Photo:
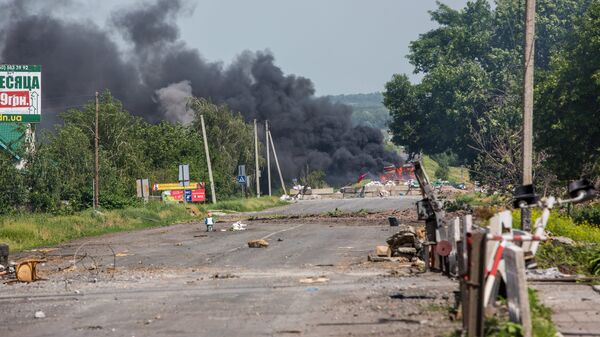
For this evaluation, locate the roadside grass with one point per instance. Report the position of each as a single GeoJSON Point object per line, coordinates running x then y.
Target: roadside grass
{"type": "Point", "coordinates": [541, 321]}
{"type": "Point", "coordinates": [27, 231]}
{"type": "Point", "coordinates": [560, 224]}
{"type": "Point", "coordinates": [456, 174]}
{"type": "Point", "coordinates": [244, 205]}
{"type": "Point", "coordinates": [31, 230]}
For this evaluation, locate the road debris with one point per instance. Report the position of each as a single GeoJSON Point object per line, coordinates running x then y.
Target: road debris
{"type": "Point", "coordinates": [258, 243]}
{"type": "Point", "coordinates": [405, 243]}
{"type": "Point", "coordinates": [39, 314]}
{"type": "Point", "coordinates": [383, 251]}
{"type": "Point", "coordinates": [553, 273]}
{"type": "Point", "coordinates": [44, 250]}
{"type": "Point", "coordinates": [314, 279]}
{"type": "Point", "coordinates": [238, 226]}
{"type": "Point", "coordinates": [223, 276]}
{"type": "Point", "coordinates": [26, 269]}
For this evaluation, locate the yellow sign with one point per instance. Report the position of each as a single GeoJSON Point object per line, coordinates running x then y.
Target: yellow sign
{"type": "Point", "coordinates": [175, 186]}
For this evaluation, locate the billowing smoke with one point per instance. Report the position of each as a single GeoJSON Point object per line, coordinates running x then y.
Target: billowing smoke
{"type": "Point", "coordinates": [173, 102]}
{"type": "Point", "coordinates": [156, 71]}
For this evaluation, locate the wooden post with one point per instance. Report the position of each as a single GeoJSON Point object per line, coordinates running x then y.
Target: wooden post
{"type": "Point", "coordinates": [460, 249]}
{"type": "Point", "coordinates": [256, 167]}
{"type": "Point", "coordinates": [442, 235]}
{"type": "Point", "coordinates": [268, 156]}
{"type": "Point", "coordinates": [474, 307]}
{"type": "Point", "coordinates": [97, 159]}
{"type": "Point", "coordinates": [516, 288]}
{"type": "Point", "coordinates": [454, 237]}
{"type": "Point", "coordinates": [277, 163]}
{"type": "Point", "coordinates": [528, 65]}
{"type": "Point", "coordinates": [466, 228]}
{"type": "Point", "coordinates": [210, 175]}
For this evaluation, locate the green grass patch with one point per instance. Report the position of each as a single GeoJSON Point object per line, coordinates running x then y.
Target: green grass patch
{"type": "Point", "coordinates": [26, 231]}
{"type": "Point", "coordinates": [245, 205]}
{"type": "Point", "coordinates": [560, 224]}
{"type": "Point", "coordinates": [581, 258]}
{"type": "Point", "coordinates": [541, 321]}
{"type": "Point", "coordinates": [578, 259]}
{"type": "Point", "coordinates": [455, 174]}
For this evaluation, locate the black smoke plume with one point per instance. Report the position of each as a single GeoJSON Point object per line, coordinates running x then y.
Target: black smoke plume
{"type": "Point", "coordinates": [156, 68]}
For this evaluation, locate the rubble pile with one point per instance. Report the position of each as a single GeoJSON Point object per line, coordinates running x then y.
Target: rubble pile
{"type": "Point", "coordinates": [405, 243]}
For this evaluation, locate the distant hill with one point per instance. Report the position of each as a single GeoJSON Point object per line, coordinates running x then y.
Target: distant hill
{"type": "Point", "coordinates": [367, 109]}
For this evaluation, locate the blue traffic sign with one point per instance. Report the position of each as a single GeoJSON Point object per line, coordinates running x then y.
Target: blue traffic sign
{"type": "Point", "coordinates": [241, 180]}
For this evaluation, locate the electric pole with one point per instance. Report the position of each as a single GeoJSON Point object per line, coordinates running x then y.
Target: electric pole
{"type": "Point", "coordinates": [277, 163]}
{"type": "Point", "coordinates": [210, 176]}
{"type": "Point", "coordinates": [256, 168]}
{"type": "Point", "coordinates": [97, 161]}
{"type": "Point", "coordinates": [268, 156]}
{"type": "Point", "coordinates": [528, 67]}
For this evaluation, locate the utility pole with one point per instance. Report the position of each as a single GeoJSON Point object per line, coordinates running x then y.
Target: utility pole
{"type": "Point", "coordinates": [97, 161]}
{"type": "Point", "coordinates": [277, 163]}
{"type": "Point", "coordinates": [256, 168]}
{"type": "Point", "coordinates": [528, 65]}
{"type": "Point", "coordinates": [268, 156]}
{"type": "Point", "coordinates": [210, 176]}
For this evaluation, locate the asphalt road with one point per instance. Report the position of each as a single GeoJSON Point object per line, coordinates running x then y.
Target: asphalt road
{"type": "Point", "coordinates": [181, 281]}
{"type": "Point", "coordinates": [312, 207]}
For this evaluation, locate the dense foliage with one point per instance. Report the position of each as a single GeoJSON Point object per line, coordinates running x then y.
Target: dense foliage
{"type": "Point", "coordinates": [58, 174]}
{"type": "Point", "coordinates": [469, 99]}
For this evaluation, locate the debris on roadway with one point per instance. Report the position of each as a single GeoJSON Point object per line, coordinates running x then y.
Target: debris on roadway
{"type": "Point", "coordinates": [405, 246]}
{"type": "Point", "coordinates": [405, 243]}
{"type": "Point", "coordinates": [314, 279]}
{"type": "Point", "coordinates": [26, 270]}
{"type": "Point", "coordinates": [238, 226]}
{"type": "Point", "coordinates": [258, 243]}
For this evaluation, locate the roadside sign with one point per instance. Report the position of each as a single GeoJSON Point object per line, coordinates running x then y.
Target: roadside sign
{"type": "Point", "coordinates": [241, 170]}
{"type": "Point", "coordinates": [197, 195]}
{"type": "Point", "coordinates": [241, 180]}
{"type": "Point", "coordinates": [20, 93]}
{"type": "Point", "coordinates": [184, 174]}
{"type": "Point", "coordinates": [143, 188]}
{"type": "Point", "coordinates": [177, 186]}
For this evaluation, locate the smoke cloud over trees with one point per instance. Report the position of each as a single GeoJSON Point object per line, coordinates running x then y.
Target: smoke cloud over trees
{"type": "Point", "coordinates": [154, 72]}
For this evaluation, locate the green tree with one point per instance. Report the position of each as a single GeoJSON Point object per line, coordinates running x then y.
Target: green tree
{"type": "Point", "coordinates": [469, 99]}
{"type": "Point", "coordinates": [13, 192]}
{"type": "Point", "coordinates": [568, 102]}
{"type": "Point", "coordinates": [230, 141]}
